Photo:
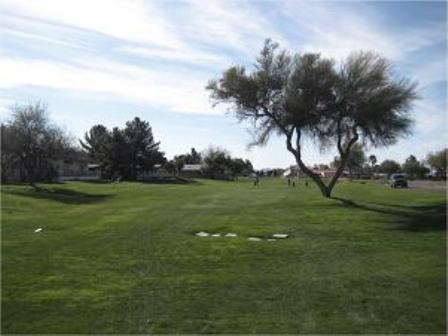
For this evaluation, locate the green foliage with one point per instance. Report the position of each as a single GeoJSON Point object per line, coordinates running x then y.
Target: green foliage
{"type": "Point", "coordinates": [438, 161]}
{"type": "Point", "coordinates": [306, 96]}
{"type": "Point", "coordinates": [389, 167]}
{"type": "Point", "coordinates": [371, 101]}
{"type": "Point", "coordinates": [356, 159]}
{"type": "Point", "coordinates": [31, 142]}
{"type": "Point", "coordinates": [143, 150]}
{"type": "Point", "coordinates": [96, 142]}
{"type": "Point", "coordinates": [218, 164]}
{"type": "Point", "coordinates": [125, 152]}
{"type": "Point", "coordinates": [189, 158]}
{"type": "Point", "coordinates": [414, 168]}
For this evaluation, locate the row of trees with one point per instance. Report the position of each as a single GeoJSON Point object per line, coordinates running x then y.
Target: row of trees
{"type": "Point", "coordinates": [31, 145]}
{"type": "Point", "coordinates": [175, 165]}
{"type": "Point", "coordinates": [359, 163]}
{"type": "Point", "coordinates": [294, 95]}
{"type": "Point", "coordinates": [215, 163]}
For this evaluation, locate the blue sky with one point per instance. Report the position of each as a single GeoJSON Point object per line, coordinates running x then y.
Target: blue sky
{"type": "Point", "coordinates": [107, 61]}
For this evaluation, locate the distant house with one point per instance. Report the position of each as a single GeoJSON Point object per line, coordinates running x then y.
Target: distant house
{"type": "Point", "coordinates": [292, 171]}
{"type": "Point", "coordinates": [77, 171]}
{"type": "Point", "coordinates": [191, 170]}
{"type": "Point", "coordinates": [328, 173]}
{"type": "Point", "coordinates": [157, 171]}
{"type": "Point", "coordinates": [325, 171]}
{"type": "Point", "coordinates": [295, 171]}
{"type": "Point", "coordinates": [319, 170]}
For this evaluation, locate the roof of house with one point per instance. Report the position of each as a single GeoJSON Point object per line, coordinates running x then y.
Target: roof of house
{"type": "Point", "coordinates": [191, 167]}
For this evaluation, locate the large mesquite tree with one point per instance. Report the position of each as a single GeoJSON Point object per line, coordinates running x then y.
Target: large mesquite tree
{"type": "Point", "coordinates": [307, 96]}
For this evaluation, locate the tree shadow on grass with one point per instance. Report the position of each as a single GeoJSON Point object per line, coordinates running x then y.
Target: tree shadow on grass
{"type": "Point", "coordinates": [410, 218]}
{"type": "Point", "coordinates": [170, 180]}
{"type": "Point", "coordinates": [62, 195]}
{"type": "Point", "coordinates": [96, 181]}
{"type": "Point", "coordinates": [155, 180]}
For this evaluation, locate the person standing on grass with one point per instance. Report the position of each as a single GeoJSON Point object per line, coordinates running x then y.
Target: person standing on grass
{"type": "Point", "coordinates": [289, 182]}
{"type": "Point", "coordinates": [256, 180]}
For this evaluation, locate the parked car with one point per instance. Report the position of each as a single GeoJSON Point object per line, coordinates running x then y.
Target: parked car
{"type": "Point", "coordinates": [398, 181]}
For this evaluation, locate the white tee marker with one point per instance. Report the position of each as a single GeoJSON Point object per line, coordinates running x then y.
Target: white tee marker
{"type": "Point", "coordinates": [280, 235]}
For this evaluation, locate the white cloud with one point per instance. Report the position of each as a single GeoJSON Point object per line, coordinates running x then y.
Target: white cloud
{"type": "Point", "coordinates": [133, 20]}
{"type": "Point", "coordinates": [33, 32]}
{"type": "Point", "coordinates": [5, 107]}
{"type": "Point", "coordinates": [429, 118]}
{"type": "Point", "coordinates": [336, 31]}
{"type": "Point", "coordinates": [40, 38]}
{"type": "Point", "coordinates": [188, 32]}
{"type": "Point", "coordinates": [430, 72]}
{"type": "Point", "coordinates": [233, 24]}
{"type": "Point", "coordinates": [177, 91]}
{"type": "Point", "coordinates": [187, 56]}
{"type": "Point", "coordinates": [143, 30]}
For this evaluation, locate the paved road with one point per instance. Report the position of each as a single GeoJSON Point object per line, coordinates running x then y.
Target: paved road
{"type": "Point", "coordinates": [435, 186]}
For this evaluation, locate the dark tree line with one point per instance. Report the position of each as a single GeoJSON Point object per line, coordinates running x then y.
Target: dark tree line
{"type": "Point", "coordinates": [218, 163]}
{"type": "Point", "coordinates": [175, 165]}
{"type": "Point", "coordinates": [438, 161]}
{"type": "Point", "coordinates": [123, 152]}
{"type": "Point", "coordinates": [32, 149]}
{"type": "Point", "coordinates": [215, 163]}
{"type": "Point", "coordinates": [359, 163]}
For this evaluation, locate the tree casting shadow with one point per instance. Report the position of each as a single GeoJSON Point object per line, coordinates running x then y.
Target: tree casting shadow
{"type": "Point", "coordinates": [62, 195]}
{"type": "Point", "coordinates": [155, 180]}
{"type": "Point", "coordinates": [410, 218]}
{"type": "Point", "coordinates": [170, 180]}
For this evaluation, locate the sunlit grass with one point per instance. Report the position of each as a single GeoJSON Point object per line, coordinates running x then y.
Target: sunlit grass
{"type": "Point", "coordinates": [123, 258]}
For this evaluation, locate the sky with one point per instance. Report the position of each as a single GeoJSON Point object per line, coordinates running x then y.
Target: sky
{"type": "Point", "coordinates": [107, 61]}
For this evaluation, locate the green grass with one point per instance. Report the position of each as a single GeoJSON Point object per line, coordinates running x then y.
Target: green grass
{"type": "Point", "coordinates": [122, 258]}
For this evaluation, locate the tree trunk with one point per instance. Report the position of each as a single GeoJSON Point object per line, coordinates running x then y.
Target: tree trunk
{"type": "Point", "coordinates": [29, 168]}
{"type": "Point", "coordinates": [31, 177]}
{"type": "Point", "coordinates": [324, 189]}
